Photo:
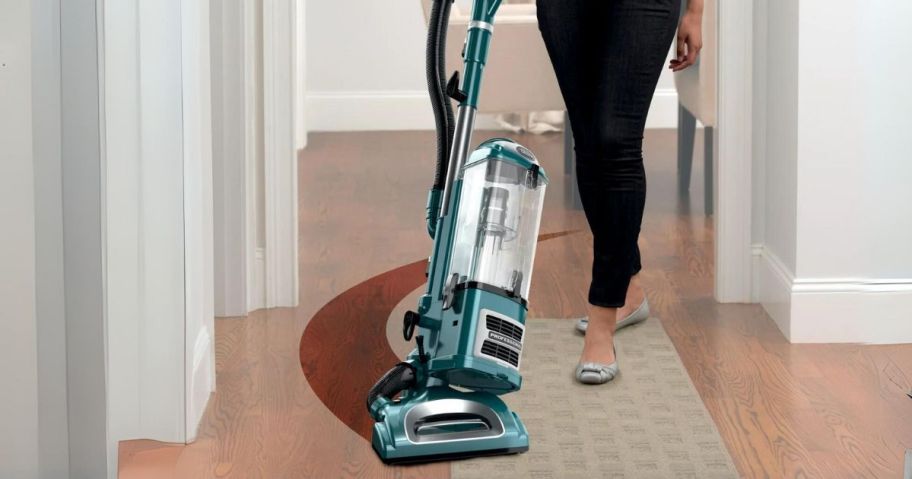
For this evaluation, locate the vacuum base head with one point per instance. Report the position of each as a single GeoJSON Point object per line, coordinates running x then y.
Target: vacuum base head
{"type": "Point", "coordinates": [454, 456]}
{"type": "Point", "coordinates": [441, 423]}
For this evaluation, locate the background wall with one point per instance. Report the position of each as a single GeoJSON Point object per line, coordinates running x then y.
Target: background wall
{"type": "Point", "coordinates": [758, 145]}
{"type": "Point", "coordinates": [254, 61]}
{"type": "Point", "coordinates": [82, 160]}
{"type": "Point", "coordinates": [145, 219]}
{"type": "Point", "coordinates": [53, 441]}
{"type": "Point", "coordinates": [53, 403]}
{"type": "Point", "coordinates": [776, 152]}
{"type": "Point", "coordinates": [106, 186]}
{"type": "Point", "coordinates": [196, 100]}
{"type": "Point", "coordinates": [300, 76]}
{"type": "Point", "coordinates": [238, 155]}
{"type": "Point", "coordinates": [366, 59]}
{"type": "Point", "coordinates": [855, 163]}
{"type": "Point", "coordinates": [836, 262]}
{"type": "Point", "coordinates": [18, 328]}
{"type": "Point", "coordinates": [159, 225]}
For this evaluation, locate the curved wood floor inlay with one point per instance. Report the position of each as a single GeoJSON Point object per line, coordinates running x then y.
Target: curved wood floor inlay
{"type": "Point", "coordinates": [354, 322]}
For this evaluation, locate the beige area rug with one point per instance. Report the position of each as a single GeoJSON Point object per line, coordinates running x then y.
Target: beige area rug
{"type": "Point", "coordinates": [647, 423]}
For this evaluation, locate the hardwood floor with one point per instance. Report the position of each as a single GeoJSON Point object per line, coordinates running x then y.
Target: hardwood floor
{"type": "Point", "coordinates": [783, 410]}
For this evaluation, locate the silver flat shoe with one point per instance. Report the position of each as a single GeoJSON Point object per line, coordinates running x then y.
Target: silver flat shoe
{"type": "Point", "coordinates": [597, 373]}
{"type": "Point", "coordinates": [637, 316]}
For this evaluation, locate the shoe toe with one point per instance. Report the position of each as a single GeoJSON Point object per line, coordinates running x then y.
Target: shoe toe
{"type": "Point", "coordinates": [594, 373]}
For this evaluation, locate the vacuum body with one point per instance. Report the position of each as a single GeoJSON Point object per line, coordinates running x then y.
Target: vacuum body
{"type": "Point", "coordinates": [484, 212]}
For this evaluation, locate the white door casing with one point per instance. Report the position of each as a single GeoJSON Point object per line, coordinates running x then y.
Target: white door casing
{"type": "Point", "coordinates": [734, 153]}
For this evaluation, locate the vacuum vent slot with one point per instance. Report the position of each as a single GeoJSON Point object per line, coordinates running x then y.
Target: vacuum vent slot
{"type": "Point", "coordinates": [451, 423]}
{"type": "Point", "coordinates": [503, 327]}
{"type": "Point", "coordinates": [498, 351]}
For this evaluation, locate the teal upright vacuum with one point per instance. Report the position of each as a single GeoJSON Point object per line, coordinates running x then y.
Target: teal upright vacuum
{"type": "Point", "coordinates": [483, 213]}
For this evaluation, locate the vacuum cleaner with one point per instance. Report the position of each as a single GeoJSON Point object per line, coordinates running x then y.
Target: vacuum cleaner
{"type": "Point", "coordinates": [483, 214]}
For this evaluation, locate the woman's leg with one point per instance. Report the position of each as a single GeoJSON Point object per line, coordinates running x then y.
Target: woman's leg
{"type": "Point", "coordinates": [608, 56]}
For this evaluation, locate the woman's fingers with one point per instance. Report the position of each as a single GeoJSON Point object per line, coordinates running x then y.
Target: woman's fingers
{"type": "Point", "coordinates": [682, 41]}
{"type": "Point", "coordinates": [687, 55]}
{"type": "Point", "coordinates": [680, 52]}
{"type": "Point", "coordinates": [689, 38]}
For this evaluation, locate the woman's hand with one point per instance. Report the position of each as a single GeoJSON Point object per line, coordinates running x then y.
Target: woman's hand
{"type": "Point", "coordinates": [690, 37]}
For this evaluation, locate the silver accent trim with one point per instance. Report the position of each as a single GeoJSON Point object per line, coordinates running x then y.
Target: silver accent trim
{"type": "Point", "coordinates": [438, 407]}
{"type": "Point", "coordinates": [481, 25]}
{"type": "Point", "coordinates": [449, 291]}
{"type": "Point", "coordinates": [462, 138]}
{"type": "Point", "coordinates": [426, 428]}
{"type": "Point", "coordinates": [482, 333]}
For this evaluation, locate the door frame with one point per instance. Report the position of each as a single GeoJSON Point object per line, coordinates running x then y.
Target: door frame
{"type": "Point", "coordinates": [733, 161]}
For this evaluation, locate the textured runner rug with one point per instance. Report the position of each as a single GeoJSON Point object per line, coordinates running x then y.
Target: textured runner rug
{"type": "Point", "coordinates": [647, 423]}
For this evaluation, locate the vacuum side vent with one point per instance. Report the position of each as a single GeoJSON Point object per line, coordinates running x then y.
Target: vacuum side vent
{"type": "Point", "coordinates": [498, 351]}
{"type": "Point", "coordinates": [500, 326]}
{"type": "Point", "coordinates": [499, 338]}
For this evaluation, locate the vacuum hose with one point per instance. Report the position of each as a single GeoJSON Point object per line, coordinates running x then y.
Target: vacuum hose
{"type": "Point", "coordinates": [441, 55]}
{"type": "Point", "coordinates": [399, 378]}
{"type": "Point", "coordinates": [436, 83]}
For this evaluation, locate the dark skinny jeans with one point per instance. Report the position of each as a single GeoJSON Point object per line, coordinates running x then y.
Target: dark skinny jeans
{"type": "Point", "coordinates": [608, 55]}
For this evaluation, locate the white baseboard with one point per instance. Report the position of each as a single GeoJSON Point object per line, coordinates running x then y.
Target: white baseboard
{"type": "Point", "coordinates": [835, 310]}
{"type": "Point", "coordinates": [202, 382]}
{"type": "Point", "coordinates": [852, 311]}
{"type": "Point", "coordinates": [258, 293]}
{"type": "Point", "coordinates": [409, 110]}
{"type": "Point", "coordinates": [663, 113]}
{"type": "Point", "coordinates": [756, 264]}
{"type": "Point", "coordinates": [775, 289]}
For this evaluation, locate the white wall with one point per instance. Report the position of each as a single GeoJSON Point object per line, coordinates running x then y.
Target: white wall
{"type": "Point", "coordinates": [254, 64]}
{"type": "Point", "coordinates": [96, 210]}
{"type": "Point", "coordinates": [237, 156]}
{"type": "Point", "coordinates": [781, 130]}
{"type": "Point", "coordinates": [280, 159]}
{"type": "Point", "coordinates": [159, 218]}
{"type": "Point", "coordinates": [300, 76]}
{"type": "Point", "coordinates": [53, 432]}
{"type": "Point", "coordinates": [775, 155]}
{"type": "Point", "coordinates": [837, 226]}
{"type": "Point", "coordinates": [758, 145]}
{"type": "Point", "coordinates": [367, 58]}
{"type": "Point", "coordinates": [82, 171]}
{"type": "Point", "coordinates": [18, 327]}
{"type": "Point", "coordinates": [54, 422]}
{"type": "Point", "coordinates": [145, 210]}
{"type": "Point", "coordinates": [855, 172]}
{"type": "Point", "coordinates": [199, 355]}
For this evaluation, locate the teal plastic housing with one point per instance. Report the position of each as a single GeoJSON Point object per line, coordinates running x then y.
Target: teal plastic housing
{"type": "Point", "coordinates": [478, 43]}
{"type": "Point", "coordinates": [451, 359]}
{"type": "Point", "coordinates": [450, 331]}
{"type": "Point", "coordinates": [454, 360]}
{"type": "Point", "coordinates": [505, 149]}
{"type": "Point", "coordinates": [393, 443]}
{"type": "Point", "coordinates": [450, 317]}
